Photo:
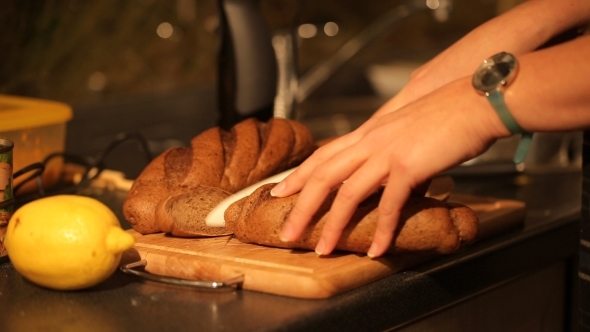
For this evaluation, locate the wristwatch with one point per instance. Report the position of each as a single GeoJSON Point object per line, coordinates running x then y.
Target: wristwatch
{"type": "Point", "coordinates": [490, 79]}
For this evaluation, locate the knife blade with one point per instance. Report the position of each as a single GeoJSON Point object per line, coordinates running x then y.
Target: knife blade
{"type": "Point", "coordinates": [215, 216]}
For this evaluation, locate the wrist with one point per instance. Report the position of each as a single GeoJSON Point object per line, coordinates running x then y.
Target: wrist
{"type": "Point", "coordinates": [484, 117]}
{"type": "Point", "coordinates": [490, 80]}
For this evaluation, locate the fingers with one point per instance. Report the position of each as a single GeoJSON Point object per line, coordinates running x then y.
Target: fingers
{"type": "Point", "coordinates": [363, 168]}
{"type": "Point", "coordinates": [388, 147]}
{"type": "Point", "coordinates": [296, 180]}
{"type": "Point", "coordinates": [357, 188]}
{"type": "Point", "coordinates": [308, 202]}
{"type": "Point", "coordinates": [322, 180]}
{"type": "Point", "coordinates": [392, 200]}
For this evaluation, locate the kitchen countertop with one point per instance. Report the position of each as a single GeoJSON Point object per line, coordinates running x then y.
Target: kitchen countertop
{"type": "Point", "coordinates": [124, 303]}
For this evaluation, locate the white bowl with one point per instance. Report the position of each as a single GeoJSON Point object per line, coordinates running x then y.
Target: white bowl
{"type": "Point", "coordinates": [388, 79]}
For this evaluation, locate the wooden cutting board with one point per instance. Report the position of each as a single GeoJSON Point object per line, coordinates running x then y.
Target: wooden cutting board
{"type": "Point", "coordinates": [296, 273]}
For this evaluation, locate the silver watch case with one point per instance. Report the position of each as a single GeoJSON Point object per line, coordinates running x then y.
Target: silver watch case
{"type": "Point", "coordinates": [495, 72]}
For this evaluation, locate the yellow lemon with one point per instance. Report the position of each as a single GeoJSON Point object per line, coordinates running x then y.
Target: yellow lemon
{"type": "Point", "coordinates": [66, 242]}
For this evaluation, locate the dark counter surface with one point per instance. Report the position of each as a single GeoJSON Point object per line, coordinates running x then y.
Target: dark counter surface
{"type": "Point", "coordinates": [124, 303]}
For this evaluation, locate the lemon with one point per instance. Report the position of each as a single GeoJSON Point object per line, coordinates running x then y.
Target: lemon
{"type": "Point", "coordinates": [66, 242]}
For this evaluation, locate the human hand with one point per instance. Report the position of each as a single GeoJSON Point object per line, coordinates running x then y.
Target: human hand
{"type": "Point", "coordinates": [400, 149]}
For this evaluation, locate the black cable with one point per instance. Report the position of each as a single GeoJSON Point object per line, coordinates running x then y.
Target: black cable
{"type": "Point", "coordinates": [37, 167]}
{"type": "Point", "coordinates": [97, 165]}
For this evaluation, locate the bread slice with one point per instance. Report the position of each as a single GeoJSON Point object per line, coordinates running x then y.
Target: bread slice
{"type": "Point", "coordinates": [184, 214]}
{"type": "Point", "coordinates": [145, 193]}
{"type": "Point", "coordinates": [177, 164]}
{"type": "Point", "coordinates": [277, 139]}
{"type": "Point", "coordinates": [208, 160]}
{"type": "Point", "coordinates": [242, 149]}
{"type": "Point", "coordinates": [303, 146]}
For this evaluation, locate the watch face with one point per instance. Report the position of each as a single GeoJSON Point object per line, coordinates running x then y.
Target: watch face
{"type": "Point", "coordinates": [495, 72]}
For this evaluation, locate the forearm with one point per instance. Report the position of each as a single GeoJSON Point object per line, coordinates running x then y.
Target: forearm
{"type": "Point", "coordinates": [551, 93]}
{"type": "Point", "coordinates": [519, 31]}
{"type": "Point", "coordinates": [552, 89]}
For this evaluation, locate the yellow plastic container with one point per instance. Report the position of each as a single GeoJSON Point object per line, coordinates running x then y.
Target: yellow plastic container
{"type": "Point", "coordinates": [38, 128]}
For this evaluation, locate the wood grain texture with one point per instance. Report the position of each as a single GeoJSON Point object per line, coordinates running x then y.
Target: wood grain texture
{"type": "Point", "coordinates": [297, 273]}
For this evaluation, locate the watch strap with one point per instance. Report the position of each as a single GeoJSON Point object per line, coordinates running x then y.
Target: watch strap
{"type": "Point", "coordinates": [523, 147]}
{"type": "Point", "coordinates": [496, 98]}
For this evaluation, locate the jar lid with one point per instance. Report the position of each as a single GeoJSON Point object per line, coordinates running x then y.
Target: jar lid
{"type": "Point", "coordinates": [5, 145]}
{"type": "Point", "coordinates": [21, 113]}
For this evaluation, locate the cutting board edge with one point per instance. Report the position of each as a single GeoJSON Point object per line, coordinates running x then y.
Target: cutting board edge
{"type": "Point", "coordinates": [315, 285]}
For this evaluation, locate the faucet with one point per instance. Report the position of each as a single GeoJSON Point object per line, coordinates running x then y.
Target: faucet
{"type": "Point", "coordinates": [293, 89]}
{"type": "Point", "coordinates": [257, 75]}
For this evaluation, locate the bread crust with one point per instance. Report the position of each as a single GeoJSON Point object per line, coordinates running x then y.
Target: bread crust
{"type": "Point", "coordinates": [145, 193]}
{"type": "Point", "coordinates": [277, 139]}
{"type": "Point", "coordinates": [218, 159]}
{"type": "Point", "coordinates": [303, 146]}
{"type": "Point", "coordinates": [426, 224]}
{"type": "Point", "coordinates": [208, 161]}
{"type": "Point", "coordinates": [242, 151]}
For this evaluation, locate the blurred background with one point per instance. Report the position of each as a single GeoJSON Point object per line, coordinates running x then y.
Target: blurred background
{"type": "Point", "coordinates": [150, 66]}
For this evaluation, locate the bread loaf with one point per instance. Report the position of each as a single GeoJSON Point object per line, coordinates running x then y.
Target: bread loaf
{"type": "Point", "coordinates": [426, 224]}
{"type": "Point", "coordinates": [178, 188]}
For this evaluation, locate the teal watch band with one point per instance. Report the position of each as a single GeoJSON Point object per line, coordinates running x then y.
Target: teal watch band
{"type": "Point", "coordinates": [496, 98]}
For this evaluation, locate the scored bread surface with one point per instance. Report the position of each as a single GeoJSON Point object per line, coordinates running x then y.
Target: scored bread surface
{"type": "Point", "coordinates": [226, 160]}
{"type": "Point", "coordinates": [426, 224]}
